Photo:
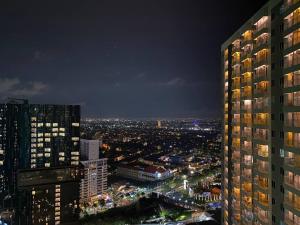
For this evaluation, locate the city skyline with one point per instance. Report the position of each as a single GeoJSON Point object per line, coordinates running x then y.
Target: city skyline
{"type": "Point", "coordinates": [138, 60]}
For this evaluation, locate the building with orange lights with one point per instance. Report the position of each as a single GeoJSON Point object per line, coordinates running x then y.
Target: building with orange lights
{"type": "Point", "coordinates": [261, 74]}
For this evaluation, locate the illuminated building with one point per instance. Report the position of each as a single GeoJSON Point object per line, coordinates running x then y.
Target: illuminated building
{"type": "Point", "coordinates": [40, 162]}
{"type": "Point", "coordinates": [94, 183]}
{"type": "Point", "coordinates": [261, 70]}
{"type": "Point", "coordinates": [158, 124]}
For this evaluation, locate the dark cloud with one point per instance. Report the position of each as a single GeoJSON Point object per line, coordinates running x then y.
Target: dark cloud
{"type": "Point", "coordinates": [130, 58]}
{"type": "Point", "coordinates": [14, 87]}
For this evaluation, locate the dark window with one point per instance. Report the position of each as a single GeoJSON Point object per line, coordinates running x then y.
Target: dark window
{"type": "Point", "coordinates": [281, 45]}
{"type": "Point", "coordinates": [281, 117]}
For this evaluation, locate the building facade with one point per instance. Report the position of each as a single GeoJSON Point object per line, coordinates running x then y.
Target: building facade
{"type": "Point", "coordinates": [261, 72]}
{"type": "Point", "coordinates": [94, 184]}
{"type": "Point", "coordinates": [39, 162]}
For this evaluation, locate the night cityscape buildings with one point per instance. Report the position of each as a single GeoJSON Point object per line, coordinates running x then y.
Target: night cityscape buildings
{"type": "Point", "coordinates": [260, 68]}
{"type": "Point", "coordinates": [94, 183]}
{"type": "Point", "coordinates": [40, 175]}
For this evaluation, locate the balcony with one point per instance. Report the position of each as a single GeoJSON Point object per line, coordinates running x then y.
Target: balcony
{"type": "Point", "coordinates": [246, 80]}
{"type": "Point", "coordinates": [261, 43]}
{"type": "Point", "coordinates": [246, 55]}
{"type": "Point", "coordinates": [263, 216]}
{"type": "Point", "coordinates": [247, 162]}
{"type": "Point", "coordinates": [292, 120]}
{"type": "Point", "coordinates": [263, 199]}
{"type": "Point", "coordinates": [261, 91]}
{"type": "Point", "coordinates": [292, 59]}
{"type": "Point", "coordinates": [262, 166]}
{"type": "Point", "coordinates": [236, 71]}
{"type": "Point", "coordinates": [292, 139]}
{"type": "Point", "coordinates": [292, 79]}
{"type": "Point", "coordinates": [247, 107]}
{"type": "Point", "coordinates": [246, 93]}
{"type": "Point", "coordinates": [292, 180]}
{"type": "Point", "coordinates": [247, 133]}
{"type": "Point", "coordinates": [262, 150]}
{"type": "Point", "coordinates": [236, 85]}
{"type": "Point", "coordinates": [236, 49]}
{"type": "Point", "coordinates": [247, 122]}
{"type": "Point", "coordinates": [292, 20]}
{"type": "Point", "coordinates": [236, 181]}
{"type": "Point", "coordinates": [261, 74]}
{"type": "Point", "coordinates": [236, 94]}
{"type": "Point", "coordinates": [246, 69]}
{"type": "Point", "coordinates": [236, 121]}
{"type": "Point", "coordinates": [292, 200]}
{"type": "Point", "coordinates": [292, 161]}
{"type": "Point", "coordinates": [261, 134]}
{"type": "Point", "coordinates": [247, 174]}
{"type": "Point", "coordinates": [247, 201]}
{"type": "Point", "coordinates": [236, 155]}
{"type": "Point", "coordinates": [262, 183]}
{"type": "Point", "coordinates": [261, 27]}
{"type": "Point", "coordinates": [247, 187]}
{"type": "Point", "coordinates": [236, 109]}
{"type": "Point", "coordinates": [261, 62]}
{"type": "Point", "coordinates": [261, 121]}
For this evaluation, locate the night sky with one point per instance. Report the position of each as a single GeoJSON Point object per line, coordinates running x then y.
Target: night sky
{"type": "Point", "coordinates": [125, 58]}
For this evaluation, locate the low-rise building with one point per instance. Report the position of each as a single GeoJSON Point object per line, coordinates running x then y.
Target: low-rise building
{"type": "Point", "coordinates": [143, 172]}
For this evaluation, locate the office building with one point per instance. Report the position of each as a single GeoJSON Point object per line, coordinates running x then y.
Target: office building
{"type": "Point", "coordinates": [94, 183]}
{"type": "Point", "coordinates": [39, 162]}
{"type": "Point", "coordinates": [261, 71]}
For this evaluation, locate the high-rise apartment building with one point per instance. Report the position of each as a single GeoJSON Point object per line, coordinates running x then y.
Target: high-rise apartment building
{"type": "Point", "coordinates": [39, 162]}
{"type": "Point", "coordinates": [94, 183]}
{"type": "Point", "coordinates": [261, 70]}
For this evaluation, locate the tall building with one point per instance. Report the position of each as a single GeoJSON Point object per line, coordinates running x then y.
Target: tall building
{"type": "Point", "coordinates": [94, 183]}
{"type": "Point", "coordinates": [158, 124]}
{"type": "Point", "coordinates": [39, 162]}
{"type": "Point", "coordinates": [261, 70]}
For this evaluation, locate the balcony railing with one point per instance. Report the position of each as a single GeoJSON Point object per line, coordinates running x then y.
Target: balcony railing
{"type": "Point", "coordinates": [261, 27]}
{"type": "Point", "coordinates": [260, 121]}
{"type": "Point", "coordinates": [291, 182]}
{"type": "Point", "coordinates": [292, 122]}
{"type": "Point", "coordinates": [261, 42]}
{"type": "Point", "coordinates": [291, 80]}
{"type": "Point", "coordinates": [295, 203]}
{"type": "Point", "coordinates": [261, 62]}
{"type": "Point", "coordinates": [263, 136]}
{"type": "Point", "coordinates": [295, 19]}
{"type": "Point", "coordinates": [292, 60]}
